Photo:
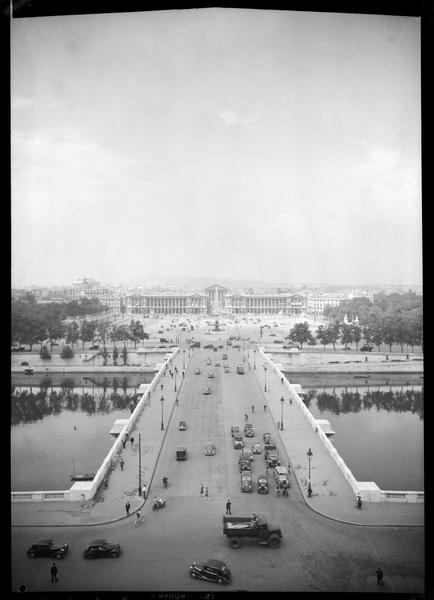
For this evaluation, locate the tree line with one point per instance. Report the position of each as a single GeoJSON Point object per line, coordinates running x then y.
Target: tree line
{"type": "Point", "coordinates": [33, 323]}
{"type": "Point", "coordinates": [389, 319]}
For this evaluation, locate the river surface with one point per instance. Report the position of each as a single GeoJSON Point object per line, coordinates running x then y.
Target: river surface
{"type": "Point", "coordinates": [378, 420]}
{"type": "Point", "coordinates": [66, 428]}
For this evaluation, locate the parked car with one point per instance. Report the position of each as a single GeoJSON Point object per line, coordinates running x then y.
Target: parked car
{"type": "Point", "coordinates": [206, 390]}
{"type": "Point", "coordinates": [24, 363]}
{"type": "Point", "coordinates": [102, 549]}
{"type": "Point", "coordinates": [218, 364]}
{"type": "Point", "coordinates": [225, 357]}
{"type": "Point", "coordinates": [209, 449]}
{"type": "Point", "coordinates": [366, 348]}
{"type": "Point", "coordinates": [209, 346]}
{"type": "Point", "coordinates": [197, 371]}
{"type": "Point", "coordinates": [208, 362]}
{"type": "Point", "coordinates": [45, 547]}
{"type": "Point", "coordinates": [263, 485]}
{"type": "Point", "coordinates": [211, 570]}
{"type": "Point", "coordinates": [256, 448]}
{"type": "Point", "coordinates": [227, 370]}
{"type": "Point", "coordinates": [96, 347]}
{"type": "Point", "coordinates": [182, 426]}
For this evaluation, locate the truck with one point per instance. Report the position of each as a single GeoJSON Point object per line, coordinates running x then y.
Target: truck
{"type": "Point", "coordinates": [181, 453]}
{"type": "Point", "coordinates": [238, 529]}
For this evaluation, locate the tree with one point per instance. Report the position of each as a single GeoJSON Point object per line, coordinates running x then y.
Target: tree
{"type": "Point", "coordinates": [346, 334]}
{"type": "Point", "coordinates": [323, 335]}
{"type": "Point", "coordinates": [377, 335]}
{"type": "Point", "coordinates": [333, 333]}
{"type": "Point", "coordinates": [300, 333]}
{"type": "Point", "coordinates": [136, 332]}
{"type": "Point", "coordinates": [357, 335]}
{"type": "Point", "coordinates": [55, 329]}
{"type": "Point", "coordinates": [87, 331]}
{"type": "Point", "coordinates": [44, 353]}
{"type": "Point", "coordinates": [72, 333]}
{"type": "Point", "coordinates": [67, 352]}
{"type": "Point", "coordinates": [103, 329]}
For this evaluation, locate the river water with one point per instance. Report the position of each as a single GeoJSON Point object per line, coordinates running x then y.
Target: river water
{"type": "Point", "coordinates": [378, 420]}
{"type": "Point", "coordinates": [65, 429]}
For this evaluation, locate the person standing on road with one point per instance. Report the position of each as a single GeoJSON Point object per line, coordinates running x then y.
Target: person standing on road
{"type": "Point", "coordinates": [53, 572]}
{"type": "Point", "coordinates": [379, 573]}
{"type": "Point", "coordinates": [265, 408]}
{"type": "Point", "coordinates": [132, 441]}
{"type": "Point", "coordinates": [127, 508]}
{"type": "Point", "coordinates": [201, 490]}
{"type": "Point", "coordinates": [144, 491]}
{"type": "Point", "coordinates": [359, 502]}
{"type": "Point", "coordinates": [206, 494]}
{"type": "Point", "coordinates": [228, 507]}
{"type": "Point", "coordinates": [122, 462]}
{"type": "Point", "coordinates": [253, 409]}
{"type": "Point", "coordinates": [281, 380]}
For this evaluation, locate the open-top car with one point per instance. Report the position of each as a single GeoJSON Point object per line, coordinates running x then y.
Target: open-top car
{"type": "Point", "coordinates": [211, 570]}
{"type": "Point", "coordinates": [102, 549]}
{"type": "Point", "coordinates": [45, 547]}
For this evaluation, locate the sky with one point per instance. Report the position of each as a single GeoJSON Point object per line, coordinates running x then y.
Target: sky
{"type": "Point", "coordinates": [236, 143]}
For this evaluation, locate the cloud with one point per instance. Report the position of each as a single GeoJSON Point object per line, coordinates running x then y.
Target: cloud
{"type": "Point", "coordinates": [231, 118]}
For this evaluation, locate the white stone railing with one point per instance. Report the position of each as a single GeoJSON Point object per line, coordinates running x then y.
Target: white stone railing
{"type": "Point", "coordinates": [89, 488]}
{"type": "Point", "coordinates": [368, 490]}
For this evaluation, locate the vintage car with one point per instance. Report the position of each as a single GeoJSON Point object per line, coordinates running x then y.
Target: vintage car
{"type": "Point", "coordinates": [102, 549]}
{"type": "Point", "coordinates": [181, 453]}
{"type": "Point", "coordinates": [281, 476]}
{"type": "Point", "coordinates": [197, 371]}
{"type": "Point", "coordinates": [256, 448]}
{"type": "Point", "coordinates": [238, 441]}
{"type": "Point", "coordinates": [209, 449]}
{"type": "Point", "coordinates": [182, 426]}
{"type": "Point", "coordinates": [206, 390]}
{"type": "Point", "coordinates": [246, 481]}
{"type": "Point", "coordinates": [266, 437]}
{"type": "Point", "coordinates": [45, 547]}
{"type": "Point", "coordinates": [210, 374]}
{"type": "Point", "coordinates": [248, 430]}
{"type": "Point", "coordinates": [211, 570]}
{"type": "Point", "coordinates": [263, 485]}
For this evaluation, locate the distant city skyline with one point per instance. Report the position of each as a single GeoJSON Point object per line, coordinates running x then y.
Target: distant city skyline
{"type": "Point", "coordinates": [274, 146]}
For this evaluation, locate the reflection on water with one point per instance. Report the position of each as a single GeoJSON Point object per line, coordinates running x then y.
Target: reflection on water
{"type": "Point", "coordinates": [379, 432]}
{"type": "Point", "coordinates": [61, 424]}
{"type": "Point", "coordinates": [342, 400]}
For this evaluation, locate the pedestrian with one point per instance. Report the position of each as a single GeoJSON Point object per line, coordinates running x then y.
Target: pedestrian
{"type": "Point", "coordinates": [132, 441]}
{"type": "Point", "coordinates": [82, 499]}
{"type": "Point", "coordinates": [265, 407]}
{"type": "Point", "coordinates": [253, 409]}
{"type": "Point", "coordinates": [127, 508]}
{"type": "Point", "coordinates": [144, 491]}
{"type": "Point", "coordinates": [122, 462]}
{"type": "Point", "coordinates": [183, 373]}
{"type": "Point", "coordinates": [285, 491]}
{"type": "Point", "coordinates": [201, 490]}
{"type": "Point", "coordinates": [281, 380]}
{"type": "Point", "coordinates": [176, 401]}
{"type": "Point", "coordinates": [366, 359]}
{"type": "Point", "coordinates": [206, 494]}
{"type": "Point", "coordinates": [278, 424]}
{"type": "Point", "coordinates": [53, 572]}
{"type": "Point", "coordinates": [124, 441]}
{"type": "Point", "coordinates": [359, 502]}
{"type": "Point", "coordinates": [380, 574]}
{"type": "Point", "coordinates": [171, 374]}
{"type": "Point", "coordinates": [162, 386]}
{"type": "Point", "coordinates": [228, 507]}
{"type": "Point", "coordinates": [290, 401]}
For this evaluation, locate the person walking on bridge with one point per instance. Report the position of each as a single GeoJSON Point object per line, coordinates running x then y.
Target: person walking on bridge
{"type": "Point", "coordinates": [53, 572]}
{"type": "Point", "coordinates": [228, 507]}
{"type": "Point", "coordinates": [379, 573]}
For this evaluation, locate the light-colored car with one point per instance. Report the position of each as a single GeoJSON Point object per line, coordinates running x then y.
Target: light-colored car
{"type": "Point", "coordinates": [197, 371]}
{"type": "Point", "coordinates": [206, 390]}
{"type": "Point", "coordinates": [256, 448]}
{"type": "Point", "coordinates": [210, 374]}
{"type": "Point", "coordinates": [209, 449]}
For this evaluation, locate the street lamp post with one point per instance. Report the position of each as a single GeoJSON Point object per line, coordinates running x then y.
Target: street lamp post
{"type": "Point", "coordinates": [282, 400]}
{"type": "Point", "coordinates": [309, 458]}
{"type": "Point", "coordinates": [183, 360]}
{"type": "Point", "coordinates": [265, 378]}
{"type": "Point", "coordinates": [162, 402]}
{"type": "Point", "coordinates": [254, 359]}
{"type": "Point", "coordinates": [175, 382]}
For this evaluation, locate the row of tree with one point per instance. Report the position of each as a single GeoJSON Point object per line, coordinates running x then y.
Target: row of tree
{"type": "Point", "coordinates": [33, 323]}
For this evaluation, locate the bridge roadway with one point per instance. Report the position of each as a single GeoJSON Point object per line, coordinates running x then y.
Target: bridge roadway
{"type": "Point", "coordinates": [209, 418]}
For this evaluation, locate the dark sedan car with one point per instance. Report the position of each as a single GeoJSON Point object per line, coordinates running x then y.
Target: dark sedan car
{"type": "Point", "coordinates": [212, 570]}
{"type": "Point", "coordinates": [46, 547]}
{"type": "Point", "coordinates": [102, 549]}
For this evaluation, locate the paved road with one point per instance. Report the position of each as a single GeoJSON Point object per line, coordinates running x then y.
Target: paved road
{"type": "Point", "coordinates": [317, 554]}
